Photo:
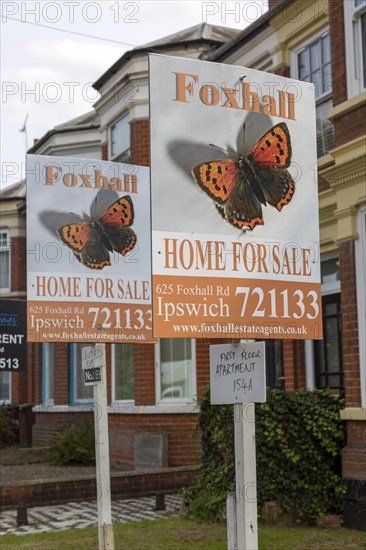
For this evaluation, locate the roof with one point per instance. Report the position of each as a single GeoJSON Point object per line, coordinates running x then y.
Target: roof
{"type": "Point", "coordinates": [14, 191]}
{"type": "Point", "coordinates": [258, 26]}
{"type": "Point", "coordinates": [87, 121]}
{"type": "Point", "coordinates": [212, 36]}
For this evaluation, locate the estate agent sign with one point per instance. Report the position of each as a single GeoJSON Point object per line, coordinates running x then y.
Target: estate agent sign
{"type": "Point", "coordinates": [88, 227]}
{"type": "Point", "coordinates": [235, 230]}
{"type": "Point", "coordinates": [13, 335]}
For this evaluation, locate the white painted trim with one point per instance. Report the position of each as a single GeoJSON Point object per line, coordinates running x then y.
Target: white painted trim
{"type": "Point", "coordinates": [331, 288]}
{"type": "Point", "coordinates": [174, 402]}
{"type": "Point", "coordinates": [125, 112]}
{"type": "Point", "coordinates": [294, 53]}
{"type": "Point", "coordinates": [117, 402]}
{"type": "Point", "coordinates": [309, 364]}
{"type": "Point", "coordinates": [360, 261]}
{"type": "Point", "coordinates": [353, 47]}
{"type": "Point", "coordinates": [5, 290]}
{"type": "Point", "coordinates": [6, 401]}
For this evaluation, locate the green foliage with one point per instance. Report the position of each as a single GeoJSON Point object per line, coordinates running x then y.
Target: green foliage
{"type": "Point", "coordinates": [299, 436]}
{"type": "Point", "coordinates": [8, 434]}
{"type": "Point", "coordinates": [76, 445]}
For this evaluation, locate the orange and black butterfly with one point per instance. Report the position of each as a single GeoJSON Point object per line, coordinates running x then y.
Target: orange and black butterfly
{"type": "Point", "coordinates": [240, 187]}
{"type": "Point", "coordinates": [91, 241]}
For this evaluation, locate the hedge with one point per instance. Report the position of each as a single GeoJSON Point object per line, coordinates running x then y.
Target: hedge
{"type": "Point", "coordinates": [299, 436]}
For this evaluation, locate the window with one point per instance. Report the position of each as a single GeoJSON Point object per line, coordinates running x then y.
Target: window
{"type": "Point", "coordinates": [329, 371]}
{"type": "Point", "coordinates": [122, 372]}
{"type": "Point", "coordinates": [274, 364]}
{"type": "Point", "coordinates": [4, 260]}
{"type": "Point", "coordinates": [120, 140]}
{"type": "Point", "coordinates": [313, 63]}
{"type": "Point", "coordinates": [47, 373]}
{"type": "Point", "coordinates": [328, 352]}
{"type": "Point", "coordinates": [5, 387]}
{"type": "Point", "coordinates": [79, 392]}
{"type": "Point", "coordinates": [355, 37]}
{"type": "Point", "coordinates": [176, 368]}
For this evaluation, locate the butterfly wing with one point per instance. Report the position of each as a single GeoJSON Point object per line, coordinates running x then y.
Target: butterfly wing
{"type": "Point", "coordinates": [277, 185]}
{"type": "Point", "coordinates": [243, 209]}
{"type": "Point", "coordinates": [217, 178]}
{"type": "Point", "coordinates": [273, 149]}
{"type": "Point", "coordinates": [115, 225]}
{"type": "Point", "coordinates": [85, 243]}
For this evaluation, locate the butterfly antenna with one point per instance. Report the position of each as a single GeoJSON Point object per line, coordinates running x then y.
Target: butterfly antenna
{"type": "Point", "coordinates": [223, 149]}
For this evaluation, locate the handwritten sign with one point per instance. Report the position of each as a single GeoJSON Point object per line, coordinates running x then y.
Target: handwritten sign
{"type": "Point", "coordinates": [92, 361]}
{"type": "Point", "coordinates": [238, 373]}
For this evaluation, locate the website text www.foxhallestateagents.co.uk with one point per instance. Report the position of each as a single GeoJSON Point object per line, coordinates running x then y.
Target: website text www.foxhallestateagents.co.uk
{"type": "Point", "coordinates": [234, 328]}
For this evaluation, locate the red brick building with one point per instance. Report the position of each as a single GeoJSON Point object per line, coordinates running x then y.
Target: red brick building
{"type": "Point", "coordinates": [154, 389]}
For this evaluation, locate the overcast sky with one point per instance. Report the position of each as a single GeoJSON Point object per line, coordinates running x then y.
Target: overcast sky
{"type": "Point", "coordinates": [51, 53]}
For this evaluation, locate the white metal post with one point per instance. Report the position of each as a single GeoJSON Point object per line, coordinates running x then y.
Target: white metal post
{"type": "Point", "coordinates": [246, 478]}
{"type": "Point", "coordinates": [105, 527]}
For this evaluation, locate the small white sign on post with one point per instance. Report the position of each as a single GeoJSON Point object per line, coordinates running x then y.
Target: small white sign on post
{"type": "Point", "coordinates": [92, 361]}
{"type": "Point", "coordinates": [238, 373]}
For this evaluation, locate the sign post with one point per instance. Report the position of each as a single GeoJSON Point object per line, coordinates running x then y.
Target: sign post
{"type": "Point", "coordinates": [237, 375]}
{"type": "Point", "coordinates": [246, 477]}
{"type": "Point", "coordinates": [93, 359]}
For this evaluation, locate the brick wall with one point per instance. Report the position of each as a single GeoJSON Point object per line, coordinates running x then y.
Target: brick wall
{"type": "Point", "coordinates": [183, 438]}
{"type": "Point", "coordinates": [294, 365]}
{"type": "Point", "coordinates": [144, 367]}
{"type": "Point", "coordinates": [338, 51]}
{"type": "Point", "coordinates": [351, 364]}
{"type": "Point", "coordinates": [61, 373]}
{"type": "Point", "coordinates": [104, 151]}
{"type": "Point", "coordinates": [123, 485]}
{"type": "Point", "coordinates": [18, 264]}
{"type": "Point", "coordinates": [350, 126]}
{"type": "Point", "coordinates": [140, 144]}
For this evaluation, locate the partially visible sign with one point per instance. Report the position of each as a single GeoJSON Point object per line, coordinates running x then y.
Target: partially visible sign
{"type": "Point", "coordinates": [238, 373]}
{"type": "Point", "coordinates": [92, 362]}
{"type": "Point", "coordinates": [13, 341]}
{"type": "Point", "coordinates": [88, 243]}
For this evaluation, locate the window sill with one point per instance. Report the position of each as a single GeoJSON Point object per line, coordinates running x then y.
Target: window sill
{"type": "Point", "coordinates": [122, 408]}
{"type": "Point", "coordinates": [347, 106]}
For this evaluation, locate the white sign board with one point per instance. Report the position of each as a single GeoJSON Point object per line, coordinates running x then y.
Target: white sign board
{"type": "Point", "coordinates": [88, 244]}
{"type": "Point", "coordinates": [238, 373]}
{"type": "Point", "coordinates": [235, 240]}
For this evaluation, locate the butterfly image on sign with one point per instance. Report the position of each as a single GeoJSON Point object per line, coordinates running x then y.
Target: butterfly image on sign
{"type": "Point", "coordinates": [91, 241]}
{"type": "Point", "coordinates": [240, 187]}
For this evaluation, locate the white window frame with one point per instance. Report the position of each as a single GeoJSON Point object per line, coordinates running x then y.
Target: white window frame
{"type": "Point", "coordinates": [74, 399]}
{"type": "Point", "coordinates": [327, 289]}
{"type": "Point", "coordinates": [360, 260]}
{"type": "Point", "coordinates": [294, 64]}
{"type": "Point", "coordinates": [48, 363]}
{"type": "Point", "coordinates": [353, 46]}
{"type": "Point", "coordinates": [113, 395]}
{"type": "Point", "coordinates": [6, 249]}
{"type": "Point", "coordinates": [7, 400]}
{"type": "Point", "coordinates": [175, 400]}
{"type": "Point", "coordinates": [126, 114]}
